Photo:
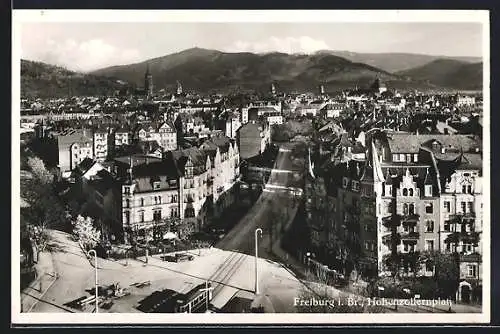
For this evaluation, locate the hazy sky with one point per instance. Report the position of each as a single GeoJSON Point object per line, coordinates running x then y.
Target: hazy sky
{"type": "Point", "coordinates": [88, 46]}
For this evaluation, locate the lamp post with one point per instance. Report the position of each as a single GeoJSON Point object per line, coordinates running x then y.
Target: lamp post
{"type": "Point", "coordinates": [257, 231]}
{"type": "Point", "coordinates": [308, 257]}
{"type": "Point", "coordinates": [93, 253]}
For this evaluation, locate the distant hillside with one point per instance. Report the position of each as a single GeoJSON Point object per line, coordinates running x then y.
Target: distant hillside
{"type": "Point", "coordinates": [205, 70]}
{"type": "Point", "coordinates": [448, 73]}
{"type": "Point", "coordinates": [394, 62]}
{"type": "Point", "coordinates": [43, 80]}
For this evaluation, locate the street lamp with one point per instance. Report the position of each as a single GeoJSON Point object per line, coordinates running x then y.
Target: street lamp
{"type": "Point", "coordinates": [257, 231]}
{"type": "Point", "coordinates": [93, 253]}
{"type": "Point", "coordinates": [308, 256]}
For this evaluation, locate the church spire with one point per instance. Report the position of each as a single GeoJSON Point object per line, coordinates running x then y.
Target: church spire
{"type": "Point", "coordinates": [148, 81]}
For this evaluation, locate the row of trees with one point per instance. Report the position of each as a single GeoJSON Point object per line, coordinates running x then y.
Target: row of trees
{"type": "Point", "coordinates": [43, 209]}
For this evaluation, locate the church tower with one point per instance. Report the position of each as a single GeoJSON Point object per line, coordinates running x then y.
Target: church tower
{"type": "Point", "coordinates": [148, 82]}
{"type": "Point", "coordinates": [179, 88]}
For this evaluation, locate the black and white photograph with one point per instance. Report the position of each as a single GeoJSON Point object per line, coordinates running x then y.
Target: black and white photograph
{"type": "Point", "coordinates": [212, 166]}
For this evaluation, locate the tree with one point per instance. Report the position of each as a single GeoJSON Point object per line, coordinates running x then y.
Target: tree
{"type": "Point", "coordinates": [87, 234]}
{"type": "Point", "coordinates": [447, 274]}
{"type": "Point", "coordinates": [39, 171]}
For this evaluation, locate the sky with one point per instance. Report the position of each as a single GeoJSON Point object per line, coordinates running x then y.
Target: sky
{"type": "Point", "coordinates": [93, 45]}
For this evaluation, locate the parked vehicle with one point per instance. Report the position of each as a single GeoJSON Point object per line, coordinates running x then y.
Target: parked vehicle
{"type": "Point", "coordinates": [180, 257]}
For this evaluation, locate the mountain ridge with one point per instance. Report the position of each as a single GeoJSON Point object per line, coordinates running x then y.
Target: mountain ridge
{"type": "Point", "coordinates": [450, 73]}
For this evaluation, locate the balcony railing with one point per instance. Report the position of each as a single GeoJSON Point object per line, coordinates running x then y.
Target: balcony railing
{"type": "Point", "coordinates": [414, 218]}
{"type": "Point", "coordinates": [389, 238]}
{"type": "Point", "coordinates": [410, 235]}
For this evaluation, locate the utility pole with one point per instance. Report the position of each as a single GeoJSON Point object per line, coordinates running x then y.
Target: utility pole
{"type": "Point", "coordinates": [93, 253]}
{"type": "Point", "coordinates": [257, 231]}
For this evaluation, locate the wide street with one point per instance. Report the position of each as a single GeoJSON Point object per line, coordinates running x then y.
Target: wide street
{"type": "Point", "coordinates": [273, 204]}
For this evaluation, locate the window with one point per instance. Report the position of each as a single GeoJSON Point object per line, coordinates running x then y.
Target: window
{"type": "Point", "coordinates": [405, 209]}
{"type": "Point", "coordinates": [388, 190]}
{"type": "Point", "coordinates": [448, 247]}
{"type": "Point", "coordinates": [470, 207]}
{"type": "Point", "coordinates": [415, 157]}
{"type": "Point", "coordinates": [395, 157]}
{"type": "Point", "coordinates": [174, 212]}
{"type": "Point", "coordinates": [174, 199]}
{"type": "Point", "coordinates": [410, 192]}
{"type": "Point", "coordinates": [429, 245]}
{"type": "Point", "coordinates": [127, 217]}
{"type": "Point", "coordinates": [471, 270]}
{"type": "Point", "coordinates": [428, 190]}
{"type": "Point", "coordinates": [127, 203]}
{"type": "Point", "coordinates": [411, 209]}
{"type": "Point", "coordinates": [469, 189]}
{"type": "Point", "coordinates": [429, 226]}
{"type": "Point", "coordinates": [408, 247]}
{"type": "Point", "coordinates": [126, 190]}
{"type": "Point", "coordinates": [467, 247]}
{"type": "Point", "coordinates": [429, 208]}
{"type": "Point", "coordinates": [159, 199]}
{"type": "Point", "coordinates": [156, 185]}
{"type": "Point", "coordinates": [464, 206]}
{"type": "Point", "coordinates": [405, 192]}
{"type": "Point", "coordinates": [401, 158]}
{"type": "Point", "coordinates": [141, 216]}
{"type": "Point", "coordinates": [447, 206]}
{"type": "Point", "coordinates": [142, 201]}
{"type": "Point", "coordinates": [408, 158]}
{"type": "Point", "coordinates": [367, 245]}
{"type": "Point", "coordinates": [157, 215]}
{"type": "Point", "coordinates": [345, 181]}
{"type": "Point", "coordinates": [464, 189]}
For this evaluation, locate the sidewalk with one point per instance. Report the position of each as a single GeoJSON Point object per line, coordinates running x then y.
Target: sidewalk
{"type": "Point", "coordinates": [46, 277]}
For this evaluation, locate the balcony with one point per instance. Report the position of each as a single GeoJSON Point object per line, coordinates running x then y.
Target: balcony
{"type": "Point", "coordinates": [412, 235]}
{"type": "Point", "coordinates": [413, 218]}
{"type": "Point", "coordinates": [389, 238]}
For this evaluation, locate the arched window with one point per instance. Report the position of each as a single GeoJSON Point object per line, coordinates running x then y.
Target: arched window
{"type": "Point", "coordinates": [405, 209]}
{"type": "Point", "coordinates": [411, 192]}
{"type": "Point", "coordinates": [412, 209]}
{"type": "Point", "coordinates": [405, 192]}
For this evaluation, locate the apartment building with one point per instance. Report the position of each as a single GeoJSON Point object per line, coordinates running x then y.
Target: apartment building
{"type": "Point", "coordinates": [163, 133]}
{"type": "Point", "coordinates": [73, 146]}
{"type": "Point", "coordinates": [193, 185]}
{"type": "Point", "coordinates": [100, 142]}
{"type": "Point", "coordinates": [415, 195]}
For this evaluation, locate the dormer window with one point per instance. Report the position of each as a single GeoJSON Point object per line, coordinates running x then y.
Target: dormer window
{"type": "Point", "coordinates": [428, 190]}
{"type": "Point", "coordinates": [156, 185]}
